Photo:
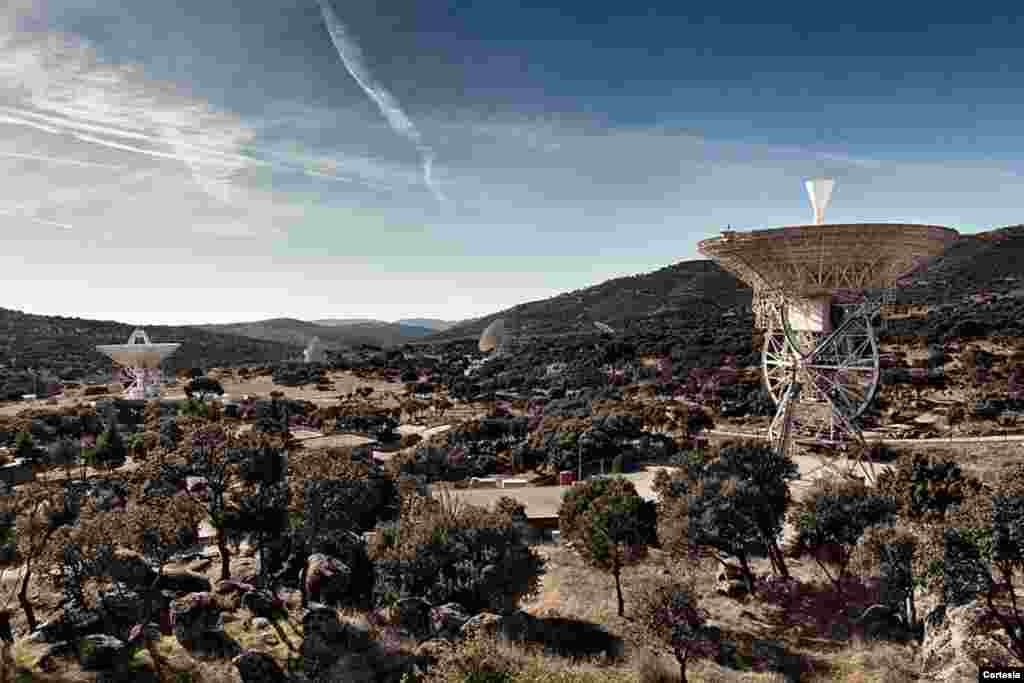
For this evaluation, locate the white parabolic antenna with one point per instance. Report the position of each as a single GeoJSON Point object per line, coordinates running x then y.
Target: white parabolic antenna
{"type": "Point", "coordinates": [604, 327]}
{"type": "Point", "coordinates": [492, 336]}
{"type": "Point", "coordinates": [141, 360]}
{"type": "Point", "coordinates": [820, 191]}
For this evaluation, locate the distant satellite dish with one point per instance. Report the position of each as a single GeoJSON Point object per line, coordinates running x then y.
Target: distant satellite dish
{"type": "Point", "coordinates": [605, 329]}
{"type": "Point", "coordinates": [314, 353]}
{"type": "Point", "coordinates": [493, 336]}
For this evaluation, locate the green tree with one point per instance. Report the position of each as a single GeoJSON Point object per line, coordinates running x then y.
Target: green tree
{"type": "Point", "coordinates": [609, 525]}
{"type": "Point", "coordinates": [833, 517]}
{"type": "Point", "coordinates": [763, 476]}
{"type": "Point", "coordinates": [111, 451]}
{"type": "Point", "coordinates": [24, 445]}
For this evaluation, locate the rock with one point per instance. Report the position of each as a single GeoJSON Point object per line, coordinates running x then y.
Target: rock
{"type": "Point", "coordinates": [258, 667]}
{"type": "Point", "coordinates": [882, 622]}
{"type": "Point", "coordinates": [433, 649]}
{"type": "Point", "coordinates": [72, 625]}
{"type": "Point", "coordinates": [262, 603]}
{"type": "Point", "coordinates": [412, 615]}
{"type": "Point", "coordinates": [199, 623]}
{"type": "Point", "coordinates": [100, 652]}
{"type": "Point", "coordinates": [732, 589]}
{"type": "Point", "coordinates": [130, 568]}
{"type": "Point", "coordinates": [484, 623]}
{"type": "Point", "coordinates": [327, 579]}
{"type": "Point", "coordinates": [182, 580]}
{"type": "Point", "coordinates": [447, 620]}
{"type": "Point", "coordinates": [956, 637]}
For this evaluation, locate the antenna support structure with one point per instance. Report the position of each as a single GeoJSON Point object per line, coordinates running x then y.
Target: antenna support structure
{"type": "Point", "coordinates": [819, 295]}
{"type": "Point", "coordinates": [140, 360]}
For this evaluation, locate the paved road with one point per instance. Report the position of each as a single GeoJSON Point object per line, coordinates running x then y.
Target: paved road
{"type": "Point", "coordinates": [869, 435]}
{"type": "Point", "coordinates": [543, 501]}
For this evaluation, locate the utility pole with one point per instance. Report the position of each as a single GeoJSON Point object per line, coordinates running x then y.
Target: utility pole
{"type": "Point", "coordinates": [579, 459]}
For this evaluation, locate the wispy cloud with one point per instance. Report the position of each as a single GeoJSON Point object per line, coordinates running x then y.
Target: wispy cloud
{"type": "Point", "coordinates": [352, 57]}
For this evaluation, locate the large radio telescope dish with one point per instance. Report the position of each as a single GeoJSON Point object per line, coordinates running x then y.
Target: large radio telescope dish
{"type": "Point", "coordinates": [818, 290]}
{"type": "Point", "coordinates": [141, 360]}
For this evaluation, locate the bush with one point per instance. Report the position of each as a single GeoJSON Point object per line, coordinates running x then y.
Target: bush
{"type": "Point", "coordinates": [925, 487]}
{"type": "Point", "coordinates": [832, 519]}
{"type": "Point", "coordinates": [445, 552]}
{"type": "Point", "coordinates": [111, 451]}
{"type": "Point", "coordinates": [669, 615]}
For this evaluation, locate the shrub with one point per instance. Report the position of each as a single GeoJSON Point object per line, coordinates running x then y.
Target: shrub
{"type": "Point", "coordinates": [833, 517]}
{"type": "Point", "coordinates": [445, 552]}
{"type": "Point", "coordinates": [925, 487]}
{"type": "Point", "coordinates": [669, 615]}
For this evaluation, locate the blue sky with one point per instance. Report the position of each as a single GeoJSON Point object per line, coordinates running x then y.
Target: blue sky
{"type": "Point", "coordinates": [225, 160]}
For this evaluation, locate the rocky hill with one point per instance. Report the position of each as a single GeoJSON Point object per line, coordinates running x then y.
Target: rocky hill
{"type": "Point", "coordinates": [335, 337]}
{"type": "Point", "coordinates": [988, 265]}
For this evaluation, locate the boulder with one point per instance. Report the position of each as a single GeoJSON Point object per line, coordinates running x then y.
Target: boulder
{"type": "Point", "coordinates": [327, 579]}
{"type": "Point", "coordinates": [258, 667]}
{"type": "Point", "coordinates": [447, 620]}
{"type": "Point", "coordinates": [955, 639]}
{"type": "Point", "coordinates": [102, 652]}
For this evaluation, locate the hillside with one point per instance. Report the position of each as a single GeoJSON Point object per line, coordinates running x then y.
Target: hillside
{"type": "Point", "coordinates": [432, 324]}
{"type": "Point", "coordinates": [333, 337]}
{"type": "Point", "coordinates": [622, 302]}
{"type": "Point", "coordinates": [66, 346]}
{"type": "Point", "coordinates": [987, 262]}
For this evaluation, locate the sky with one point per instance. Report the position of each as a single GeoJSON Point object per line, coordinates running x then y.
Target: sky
{"type": "Point", "coordinates": [208, 161]}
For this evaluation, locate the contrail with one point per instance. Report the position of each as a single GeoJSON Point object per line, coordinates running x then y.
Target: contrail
{"type": "Point", "coordinates": [57, 160]}
{"type": "Point", "coordinates": [352, 58]}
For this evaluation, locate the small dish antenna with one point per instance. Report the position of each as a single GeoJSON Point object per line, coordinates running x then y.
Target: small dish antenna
{"type": "Point", "coordinates": [493, 336]}
{"type": "Point", "coordinates": [820, 191]}
{"type": "Point", "coordinates": [604, 327]}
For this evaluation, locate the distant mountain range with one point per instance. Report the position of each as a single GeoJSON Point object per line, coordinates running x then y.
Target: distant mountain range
{"type": "Point", "coordinates": [334, 335]}
{"type": "Point", "coordinates": [428, 323]}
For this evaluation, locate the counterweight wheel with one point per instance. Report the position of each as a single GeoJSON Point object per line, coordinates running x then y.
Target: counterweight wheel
{"type": "Point", "coordinates": [838, 372]}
